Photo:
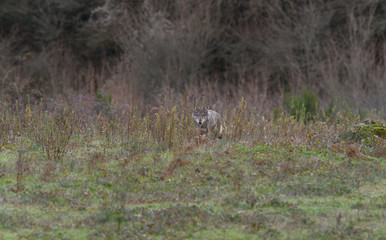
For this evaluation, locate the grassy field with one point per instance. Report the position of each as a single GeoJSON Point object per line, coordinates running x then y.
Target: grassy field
{"type": "Point", "coordinates": [128, 174]}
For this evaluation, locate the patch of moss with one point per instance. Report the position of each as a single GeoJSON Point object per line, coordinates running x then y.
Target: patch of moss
{"type": "Point", "coordinates": [365, 130]}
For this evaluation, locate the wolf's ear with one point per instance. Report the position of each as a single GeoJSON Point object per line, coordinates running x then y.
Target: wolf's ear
{"type": "Point", "coordinates": [194, 108]}
{"type": "Point", "coordinates": [207, 108]}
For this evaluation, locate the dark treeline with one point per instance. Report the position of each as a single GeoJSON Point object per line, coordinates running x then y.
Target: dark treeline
{"type": "Point", "coordinates": [212, 49]}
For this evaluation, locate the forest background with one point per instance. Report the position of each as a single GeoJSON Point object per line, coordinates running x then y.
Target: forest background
{"type": "Point", "coordinates": [209, 52]}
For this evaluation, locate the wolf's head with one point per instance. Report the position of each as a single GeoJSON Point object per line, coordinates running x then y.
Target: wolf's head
{"type": "Point", "coordinates": [200, 115]}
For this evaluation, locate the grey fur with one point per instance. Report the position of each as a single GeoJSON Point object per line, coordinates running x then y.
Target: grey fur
{"type": "Point", "coordinates": [208, 121]}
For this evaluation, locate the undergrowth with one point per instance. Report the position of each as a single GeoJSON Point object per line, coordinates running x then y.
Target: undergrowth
{"type": "Point", "coordinates": [143, 173]}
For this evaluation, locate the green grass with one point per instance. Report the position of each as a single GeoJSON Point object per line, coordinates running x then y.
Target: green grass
{"type": "Point", "coordinates": [145, 175]}
{"type": "Point", "coordinates": [223, 191]}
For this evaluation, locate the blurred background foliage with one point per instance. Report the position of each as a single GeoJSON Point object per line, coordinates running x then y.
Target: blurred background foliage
{"type": "Point", "coordinates": [208, 51]}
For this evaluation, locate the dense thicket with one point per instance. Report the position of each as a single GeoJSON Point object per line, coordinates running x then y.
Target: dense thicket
{"type": "Point", "coordinates": [253, 48]}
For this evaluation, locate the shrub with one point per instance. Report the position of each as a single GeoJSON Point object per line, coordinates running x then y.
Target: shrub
{"type": "Point", "coordinates": [368, 130]}
{"type": "Point", "coordinates": [302, 107]}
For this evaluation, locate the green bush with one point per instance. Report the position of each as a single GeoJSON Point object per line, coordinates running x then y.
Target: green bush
{"type": "Point", "coordinates": [103, 102]}
{"type": "Point", "coordinates": [368, 130]}
{"type": "Point", "coordinates": [302, 107]}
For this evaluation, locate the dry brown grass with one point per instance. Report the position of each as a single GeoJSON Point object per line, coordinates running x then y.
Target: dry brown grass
{"type": "Point", "coordinates": [352, 150]}
{"type": "Point", "coordinates": [123, 164]}
{"type": "Point", "coordinates": [168, 126]}
{"type": "Point", "coordinates": [380, 149]}
{"type": "Point", "coordinates": [173, 165]}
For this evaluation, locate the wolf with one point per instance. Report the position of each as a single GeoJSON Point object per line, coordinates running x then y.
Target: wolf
{"type": "Point", "coordinates": [208, 122]}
